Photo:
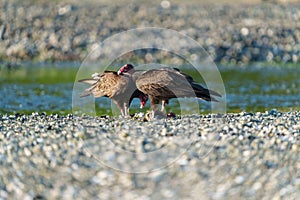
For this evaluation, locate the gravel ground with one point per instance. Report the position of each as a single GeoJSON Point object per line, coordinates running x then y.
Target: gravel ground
{"type": "Point", "coordinates": [232, 156]}
{"type": "Point", "coordinates": [235, 33]}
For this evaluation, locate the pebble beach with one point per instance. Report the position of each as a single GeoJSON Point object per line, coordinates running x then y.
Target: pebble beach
{"type": "Point", "coordinates": [231, 156]}
{"type": "Point", "coordinates": [229, 32]}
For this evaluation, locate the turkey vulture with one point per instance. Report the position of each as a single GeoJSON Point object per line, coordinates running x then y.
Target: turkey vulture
{"type": "Point", "coordinates": [119, 88]}
{"type": "Point", "coordinates": [166, 83]}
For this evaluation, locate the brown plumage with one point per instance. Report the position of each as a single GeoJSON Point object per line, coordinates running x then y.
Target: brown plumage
{"type": "Point", "coordinates": [119, 88]}
{"type": "Point", "coordinates": [166, 83]}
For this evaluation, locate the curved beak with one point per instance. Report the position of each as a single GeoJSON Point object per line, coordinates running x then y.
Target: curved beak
{"type": "Point", "coordinates": [119, 72]}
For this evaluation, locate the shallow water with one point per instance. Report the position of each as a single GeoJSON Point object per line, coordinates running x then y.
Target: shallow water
{"type": "Point", "coordinates": [49, 89]}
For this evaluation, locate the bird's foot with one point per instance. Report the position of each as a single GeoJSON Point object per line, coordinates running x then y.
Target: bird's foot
{"type": "Point", "coordinates": [138, 116]}
{"type": "Point", "coordinates": [171, 115]}
{"type": "Point", "coordinates": [150, 115]}
{"type": "Point", "coordinates": [124, 116]}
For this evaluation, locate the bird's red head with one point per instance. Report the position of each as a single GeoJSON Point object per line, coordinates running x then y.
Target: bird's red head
{"type": "Point", "coordinates": [143, 100]}
{"type": "Point", "coordinates": [128, 68]}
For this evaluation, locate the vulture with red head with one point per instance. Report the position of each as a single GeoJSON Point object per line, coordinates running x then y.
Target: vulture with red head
{"type": "Point", "coordinates": [167, 83]}
{"type": "Point", "coordinates": [121, 89]}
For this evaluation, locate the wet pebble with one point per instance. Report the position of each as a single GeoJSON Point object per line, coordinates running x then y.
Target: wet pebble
{"type": "Point", "coordinates": [245, 155]}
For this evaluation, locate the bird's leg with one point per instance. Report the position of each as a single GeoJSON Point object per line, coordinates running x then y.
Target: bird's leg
{"type": "Point", "coordinates": [122, 112]}
{"type": "Point", "coordinates": [153, 103]}
{"type": "Point", "coordinates": [155, 111]}
{"type": "Point", "coordinates": [126, 109]}
{"type": "Point", "coordinates": [163, 104]}
{"type": "Point", "coordinates": [121, 107]}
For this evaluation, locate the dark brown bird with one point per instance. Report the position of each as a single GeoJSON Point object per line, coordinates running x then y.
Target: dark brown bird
{"type": "Point", "coordinates": [166, 83]}
{"type": "Point", "coordinates": [121, 89]}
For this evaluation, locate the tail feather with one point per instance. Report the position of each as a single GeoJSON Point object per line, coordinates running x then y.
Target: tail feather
{"type": "Point", "coordinates": [91, 90]}
{"type": "Point", "coordinates": [200, 88]}
{"type": "Point", "coordinates": [211, 92]}
{"type": "Point", "coordinates": [205, 96]}
{"type": "Point", "coordinates": [88, 81]}
{"type": "Point", "coordinates": [204, 93]}
{"type": "Point", "coordinates": [85, 93]}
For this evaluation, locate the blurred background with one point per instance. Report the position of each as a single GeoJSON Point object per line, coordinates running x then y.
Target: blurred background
{"type": "Point", "coordinates": [255, 44]}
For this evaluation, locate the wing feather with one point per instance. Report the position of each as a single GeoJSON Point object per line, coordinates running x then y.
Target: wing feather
{"type": "Point", "coordinates": [105, 84]}
{"type": "Point", "coordinates": [168, 83]}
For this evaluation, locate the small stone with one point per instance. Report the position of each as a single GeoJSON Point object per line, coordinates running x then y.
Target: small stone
{"type": "Point", "coordinates": [244, 31]}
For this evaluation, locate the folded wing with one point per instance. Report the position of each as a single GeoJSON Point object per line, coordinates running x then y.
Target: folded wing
{"type": "Point", "coordinates": [166, 83]}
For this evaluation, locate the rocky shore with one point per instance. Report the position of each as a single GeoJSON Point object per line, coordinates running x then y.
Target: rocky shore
{"type": "Point", "coordinates": [230, 33]}
{"type": "Point", "coordinates": [231, 156]}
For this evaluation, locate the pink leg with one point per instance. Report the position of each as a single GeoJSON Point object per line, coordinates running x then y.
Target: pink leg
{"type": "Point", "coordinates": [163, 104]}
